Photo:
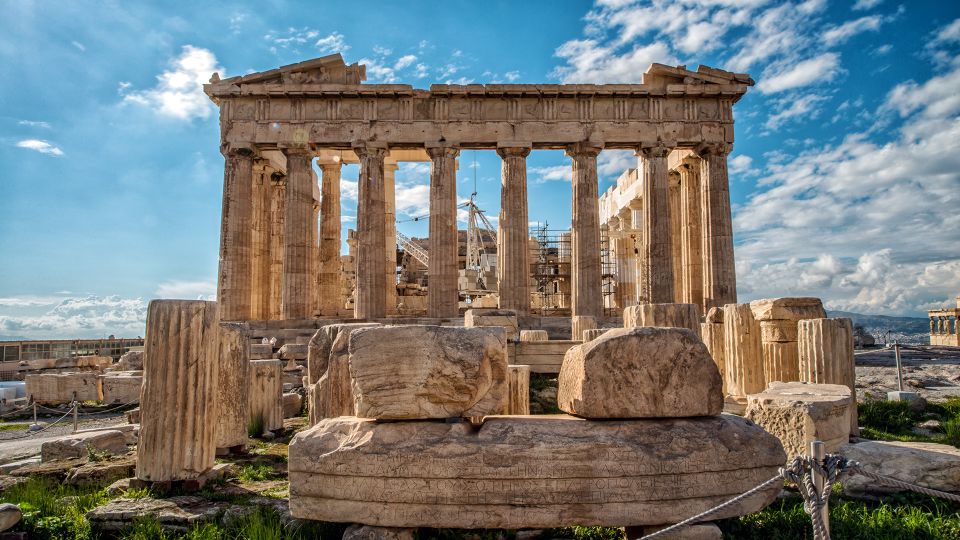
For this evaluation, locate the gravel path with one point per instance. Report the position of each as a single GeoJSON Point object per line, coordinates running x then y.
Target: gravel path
{"type": "Point", "coordinates": [21, 444]}
{"type": "Point", "coordinates": [933, 372]}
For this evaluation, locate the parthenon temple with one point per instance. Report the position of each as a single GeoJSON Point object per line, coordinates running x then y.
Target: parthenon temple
{"type": "Point", "coordinates": [668, 221]}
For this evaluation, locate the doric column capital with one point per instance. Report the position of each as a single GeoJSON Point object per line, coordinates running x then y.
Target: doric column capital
{"type": "Point", "coordinates": [278, 178]}
{"type": "Point", "coordinates": [584, 149]}
{"type": "Point", "coordinates": [327, 167]}
{"type": "Point", "coordinates": [300, 150]}
{"type": "Point", "coordinates": [658, 149]}
{"type": "Point", "coordinates": [713, 149]}
{"type": "Point", "coordinates": [370, 149]}
{"type": "Point", "coordinates": [440, 151]}
{"type": "Point", "coordinates": [689, 163]}
{"type": "Point", "coordinates": [513, 151]}
{"type": "Point", "coordinates": [240, 150]}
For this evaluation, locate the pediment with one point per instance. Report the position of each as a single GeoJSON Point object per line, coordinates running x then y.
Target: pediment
{"type": "Point", "coordinates": [329, 69]}
{"type": "Point", "coordinates": [662, 74]}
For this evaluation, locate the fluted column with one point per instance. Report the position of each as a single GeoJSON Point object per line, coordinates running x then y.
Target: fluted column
{"type": "Point", "coordinates": [298, 212]}
{"type": "Point", "coordinates": [390, 235]}
{"type": "Point", "coordinates": [328, 281]}
{"type": "Point", "coordinates": [260, 258]}
{"type": "Point", "coordinates": [278, 199]}
{"type": "Point", "coordinates": [676, 232]}
{"type": "Point", "coordinates": [586, 300]}
{"type": "Point", "coordinates": [630, 219]}
{"type": "Point", "coordinates": [236, 236]}
{"type": "Point", "coordinates": [690, 236]}
{"type": "Point", "coordinates": [719, 272]}
{"type": "Point", "coordinates": [657, 260]}
{"type": "Point", "coordinates": [315, 247]}
{"type": "Point", "coordinates": [442, 294]}
{"type": "Point", "coordinates": [513, 257]}
{"type": "Point", "coordinates": [371, 295]}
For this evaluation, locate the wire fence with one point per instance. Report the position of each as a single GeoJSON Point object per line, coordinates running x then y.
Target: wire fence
{"type": "Point", "coordinates": [814, 476]}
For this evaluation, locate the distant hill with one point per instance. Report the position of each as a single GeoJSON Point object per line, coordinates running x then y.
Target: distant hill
{"type": "Point", "coordinates": [903, 329]}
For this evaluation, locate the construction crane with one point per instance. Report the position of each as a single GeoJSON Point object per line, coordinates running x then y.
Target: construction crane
{"type": "Point", "coordinates": [413, 249]}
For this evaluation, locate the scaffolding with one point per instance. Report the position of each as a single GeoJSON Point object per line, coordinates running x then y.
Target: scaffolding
{"type": "Point", "coordinates": [550, 271]}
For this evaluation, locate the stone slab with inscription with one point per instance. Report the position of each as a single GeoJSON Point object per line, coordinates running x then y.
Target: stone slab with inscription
{"type": "Point", "coordinates": [421, 372]}
{"type": "Point", "coordinates": [640, 372]}
{"type": "Point", "coordinates": [528, 471]}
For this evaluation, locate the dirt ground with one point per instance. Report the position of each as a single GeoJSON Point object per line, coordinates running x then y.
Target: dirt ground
{"type": "Point", "coordinates": [933, 372]}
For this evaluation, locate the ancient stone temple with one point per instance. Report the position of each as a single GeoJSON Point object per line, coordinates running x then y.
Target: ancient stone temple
{"type": "Point", "coordinates": [944, 327]}
{"type": "Point", "coordinates": [671, 226]}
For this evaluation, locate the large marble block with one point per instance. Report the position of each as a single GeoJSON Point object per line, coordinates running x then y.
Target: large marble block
{"type": "Point", "coordinates": [332, 395]}
{"type": "Point", "coordinates": [528, 471]}
{"type": "Point", "coordinates": [800, 413]}
{"type": "Point", "coordinates": [931, 465]}
{"type": "Point", "coordinates": [505, 318]}
{"type": "Point", "coordinates": [641, 372]}
{"type": "Point", "coordinates": [663, 315]}
{"type": "Point", "coordinates": [415, 372]}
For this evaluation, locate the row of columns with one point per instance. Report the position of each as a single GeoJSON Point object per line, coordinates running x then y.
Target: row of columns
{"type": "Point", "coordinates": [269, 251]}
{"type": "Point", "coordinates": [941, 324]}
{"type": "Point", "coordinates": [675, 242]}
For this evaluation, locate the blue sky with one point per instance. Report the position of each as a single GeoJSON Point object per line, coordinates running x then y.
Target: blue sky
{"type": "Point", "coordinates": [845, 177]}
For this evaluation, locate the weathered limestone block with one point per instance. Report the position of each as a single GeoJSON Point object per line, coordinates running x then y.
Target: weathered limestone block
{"type": "Point", "coordinates": [507, 318]}
{"type": "Point", "coordinates": [580, 324]}
{"type": "Point", "coordinates": [266, 392]}
{"type": "Point", "coordinates": [10, 515]}
{"type": "Point", "coordinates": [293, 351]}
{"type": "Point", "coordinates": [712, 334]}
{"type": "Point", "coordinates": [332, 395]}
{"type": "Point", "coordinates": [642, 372]}
{"type": "Point", "coordinates": [233, 406]}
{"type": "Point", "coordinates": [534, 335]}
{"type": "Point", "coordinates": [121, 386]}
{"type": "Point", "coordinates": [518, 393]}
{"type": "Point", "coordinates": [592, 334]}
{"type": "Point", "coordinates": [931, 465]}
{"type": "Point", "coordinates": [318, 354]}
{"type": "Point", "coordinates": [742, 352]}
{"type": "Point", "coordinates": [778, 318]}
{"type": "Point", "coordinates": [413, 372]}
{"type": "Point", "coordinates": [800, 413]}
{"type": "Point", "coordinates": [663, 315]}
{"type": "Point", "coordinates": [292, 403]}
{"type": "Point", "coordinates": [178, 402]}
{"type": "Point", "coordinates": [366, 532]}
{"type": "Point", "coordinates": [130, 361]}
{"type": "Point", "coordinates": [698, 531]}
{"type": "Point", "coordinates": [826, 356]}
{"type": "Point", "coordinates": [110, 441]}
{"type": "Point", "coordinates": [528, 472]}
{"type": "Point", "coordinates": [51, 388]}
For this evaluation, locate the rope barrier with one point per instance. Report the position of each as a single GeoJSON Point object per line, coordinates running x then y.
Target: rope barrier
{"type": "Point", "coordinates": [41, 430]}
{"type": "Point", "coordinates": [17, 411]}
{"type": "Point", "coordinates": [857, 469]}
{"type": "Point", "coordinates": [94, 413]}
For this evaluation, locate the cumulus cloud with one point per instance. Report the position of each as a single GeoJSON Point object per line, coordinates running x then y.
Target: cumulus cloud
{"type": "Point", "coordinates": [41, 146]}
{"type": "Point", "coordinates": [562, 173]}
{"type": "Point", "coordinates": [332, 43]}
{"type": "Point", "coordinates": [741, 165]}
{"type": "Point", "coordinates": [179, 90]}
{"type": "Point", "coordinates": [188, 290]}
{"type": "Point", "coordinates": [34, 123]}
{"type": "Point", "coordinates": [794, 107]}
{"type": "Point", "coordinates": [79, 317]}
{"type": "Point", "coordinates": [795, 75]}
{"type": "Point", "coordinates": [840, 34]}
{"type": "Point", "coordinates": [589, 61]}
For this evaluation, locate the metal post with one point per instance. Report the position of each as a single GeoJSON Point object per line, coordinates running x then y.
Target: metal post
{"type": "Point", "coordinates": [34, 412]}
{"type": "Point", "coordinates": [896, 352]}
{"type": "Point", "coordinates": [819, 453]}
{"type": "Point", "coordinates": [76, 407]}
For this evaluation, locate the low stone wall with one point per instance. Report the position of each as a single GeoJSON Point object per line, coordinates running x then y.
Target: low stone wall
{"type": "Point", "coordinates": [50, 388]}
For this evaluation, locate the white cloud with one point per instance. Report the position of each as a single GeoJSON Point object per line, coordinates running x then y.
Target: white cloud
{"type": "Point", "coordinates": [413, 199]}
{"type": "Point", "coordinates": [612, 163]}
{"type": "Point", "coordinates": [80, 317]}
{"type": "Point", "coordinates": [840, 34]}
{"type": "Point", "coordinates": [863, 5]}
{"type": "Point", "coordinates": [187, 290]}
{"type": "Point", "coordinates": [939, 45]}
{"type": "Point", "coordinates": [794, 107]}
{"type": "Point", "coordinates": [795, 75]}
{"type": "Point", "coordinates": [41, 146]}
{"type": "Point", "coordinates": [79, 46]}
{"type": "Point", "coordinates": [291, 38]}
{"type": "Point", "coordinates": [511, 76]}
{"type": "Point", "coordinates": [34, 123]}
{"type": "Point", "coordinates": [179, 90]}
{"type": "Point", "coordinates": [405, 61]}
{"type": "Point", "coordinates": [589, 62]}
{"type": "Point", "coordinates": [562, 173]}
{"type": "Point", "coordinates": [332, 43]}
{"type": "Point", "coordinates": [882, 50]}
{"type": "Point", "coordinates": [742, 165]}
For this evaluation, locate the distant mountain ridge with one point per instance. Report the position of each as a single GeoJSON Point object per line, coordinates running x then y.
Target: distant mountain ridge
{"type": "Point", "coordinates": [907, 325]}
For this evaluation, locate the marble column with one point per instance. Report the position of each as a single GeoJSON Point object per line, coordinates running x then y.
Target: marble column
{"type": "Point", "coordinates": [315, 248]}
{"type": "Point", "coordinates": [234, 276]}
{"type": "Point", "coordinates": [618, 249]}
{"type": "Point", "coordinates": [260, 259]}
{"type": "Point", "coordinates": [370, 291]}
{"type": "Point", "coordinates": [658, 257]}
{"type": "Point", "coordinates": [513, 256]}
{"type": "Point", "coordinates": [676, 232]}
{"type": "Point", "coordinates": [390, 235]}
{"type": "Point", "coordinates": [690, 235]}
{"type": "Point", "coordinates": [443, 296]}
{"type": "Point", "coordinates": [639, 292]}
{"type": "Point", "coordinates": [586, 300]}
{"type": "Point", "coordinates": [719, 272]}
{"type": "Point", "coordinates": [278, 197]}
{"type": "Point", "coordinates": [328, 282]}
{"type": "Point", "coordinates": [298, 212]}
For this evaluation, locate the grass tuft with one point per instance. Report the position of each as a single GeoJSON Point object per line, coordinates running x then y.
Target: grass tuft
{"type": "Point", "coordinates": [255, 427]}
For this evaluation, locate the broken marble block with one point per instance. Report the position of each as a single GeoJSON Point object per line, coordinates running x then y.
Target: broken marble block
{"type": "Point", "coordinates": [505, 318]}
{"type": "Point", "coordinates": [318, 350]}
{"type": "Point", "coordinates": [641, 372]}
{"type": "Point", "coordinates": [332, 395]}
{"type": "Point", "coordinates": [799, 413]}
{"type": "Point", "coordinates": [663, 315]}
{"type": "Point", "coordinates": [109, 441]}
{"type": "Point", "coordinates": [931, 465]}
{"type": "Point", "coordinates": [419, 372]}
{"type": "Point", "coordinates": [516, 472]}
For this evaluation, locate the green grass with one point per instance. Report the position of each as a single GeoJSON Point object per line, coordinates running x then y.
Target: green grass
{"type": "Point", "coordinates": [255, 473]}
{"type": "Point", "coordinates": [255, 427]}
{"type": "Point", "coordinates": [46, 517]}
{"type": "Point", "coordinates": [13, 427]}
{"type": "Point", "coordinates": [897, 517]}
{"type": "Point", "coordinates": [894, 420]}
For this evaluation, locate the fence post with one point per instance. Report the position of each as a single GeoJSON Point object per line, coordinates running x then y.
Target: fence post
{"type": "Point", "coordinates": [896, 353]}
{"type": "Point", "coordinates": [76, 408]}
{"type": "Point", "coordinates": [818, 454]}
{"type": "Point", "coordinates": [34, 410]}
